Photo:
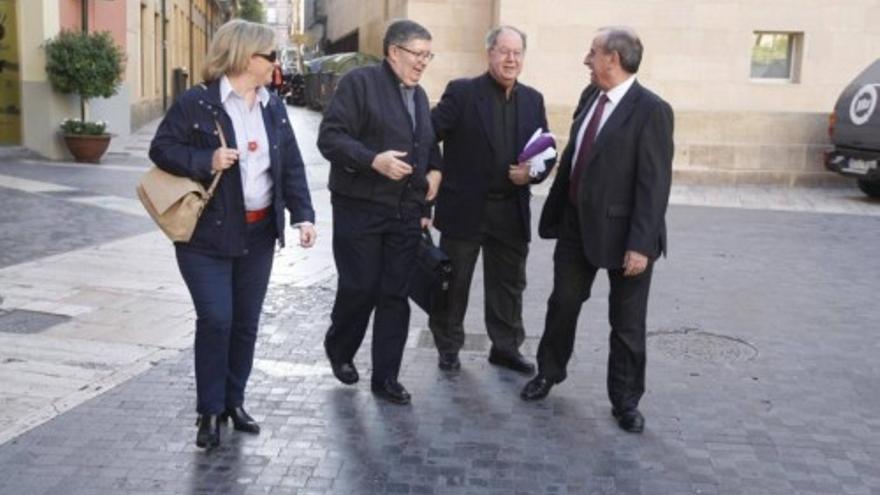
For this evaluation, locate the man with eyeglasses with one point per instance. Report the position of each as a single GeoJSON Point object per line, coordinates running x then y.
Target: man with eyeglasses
{"type": "Point", "coordinates": [384, 169]}
{"type": "Point", "coordinates": [483, 203]}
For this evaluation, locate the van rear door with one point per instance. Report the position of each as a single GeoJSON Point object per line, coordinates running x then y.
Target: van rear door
{"type": "Point", "coordinates": [858, 112]}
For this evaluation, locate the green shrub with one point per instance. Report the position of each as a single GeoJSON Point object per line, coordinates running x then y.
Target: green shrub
{"type": "Point", "coordinates": [87, 64]}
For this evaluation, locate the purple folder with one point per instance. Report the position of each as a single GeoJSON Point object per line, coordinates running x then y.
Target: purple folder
{"type": "Point", "coordinates": [537, 146]}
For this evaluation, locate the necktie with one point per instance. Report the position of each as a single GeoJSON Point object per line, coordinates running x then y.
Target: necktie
{"type": "Point", "coordinates": [584, 151]}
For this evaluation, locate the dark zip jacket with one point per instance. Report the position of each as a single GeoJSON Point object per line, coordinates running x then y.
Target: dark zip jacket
{"type": "Point", "coordinates": [367, 116]}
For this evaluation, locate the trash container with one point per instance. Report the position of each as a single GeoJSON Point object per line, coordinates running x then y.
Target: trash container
{"type": "Point", "coordinates": [178, 81]}
{"type": "Point", "coordinates": [319, 89]}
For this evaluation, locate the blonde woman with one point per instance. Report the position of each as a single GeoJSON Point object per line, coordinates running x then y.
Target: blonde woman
{"type": "Point", "coordinates": [226, 264]}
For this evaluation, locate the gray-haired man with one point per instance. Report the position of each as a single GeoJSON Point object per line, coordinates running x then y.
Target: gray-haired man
{"type": "Point", "coordinates": [483, 204]}
{"type": "Point", "coordinates": [606, 209]}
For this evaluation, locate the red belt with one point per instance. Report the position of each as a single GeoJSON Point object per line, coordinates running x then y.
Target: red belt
{"type": "Point", "coordinates": [254, 216]}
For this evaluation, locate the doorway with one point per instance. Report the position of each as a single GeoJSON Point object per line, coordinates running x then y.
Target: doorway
{"type": "Point", "coordinates": [10, 76]}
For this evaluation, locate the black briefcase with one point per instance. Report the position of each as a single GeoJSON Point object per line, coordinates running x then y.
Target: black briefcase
{"type": "Point", "coordinates": [429, 284]}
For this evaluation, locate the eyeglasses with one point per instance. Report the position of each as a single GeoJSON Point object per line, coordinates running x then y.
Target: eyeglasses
{"type": "Point", "coordinates": [270, 57]}
{"type": "Point", "coordinates": [516, 54]}
{"type": "Point", "coordinates": [424, 56]}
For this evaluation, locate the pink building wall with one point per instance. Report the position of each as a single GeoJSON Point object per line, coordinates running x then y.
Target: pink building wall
{"type": "Point", "coordinates": [103, 16]}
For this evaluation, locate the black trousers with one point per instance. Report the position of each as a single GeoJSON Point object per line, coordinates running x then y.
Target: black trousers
{"type": "Point", "coordinates": [504, 279]}
{"type": "Point", "coordinates": [375, 256]}
{"type": "Point", "coordinates": [573, 277]}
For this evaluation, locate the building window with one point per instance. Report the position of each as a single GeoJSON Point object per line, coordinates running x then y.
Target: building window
{"type": "Point", "coordinates": [776, 56]}
{"type": "Point", "coordinates": [271, 15]}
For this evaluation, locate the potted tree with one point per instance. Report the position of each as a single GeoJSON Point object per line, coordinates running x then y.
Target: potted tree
{"type": "Point", "coordinates": [89, 65]}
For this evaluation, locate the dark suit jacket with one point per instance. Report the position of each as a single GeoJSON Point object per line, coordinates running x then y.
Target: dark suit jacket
{"type": "Point", "coordinates": [625, 188]}
{"type": "Point", "coordinates": [463, 122]}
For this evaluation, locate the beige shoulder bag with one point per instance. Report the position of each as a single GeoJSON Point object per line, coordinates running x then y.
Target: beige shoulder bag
{"type": "Point", "coordinates": [174, 202]}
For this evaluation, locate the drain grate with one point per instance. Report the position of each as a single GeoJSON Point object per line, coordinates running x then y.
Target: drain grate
{"type": "Point", "coordinates": [477, 342]}
{"type": "Point", "coordinates": [22, 321]}
{"type": "Point", "coordinates": [694, 344]}
{"type": "Point", "coordinates": [472, 341]}
{"type": "Point", "coordinates": [73, 193]}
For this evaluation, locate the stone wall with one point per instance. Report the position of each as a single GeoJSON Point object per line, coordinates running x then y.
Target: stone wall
{"type": "Point", "coordinates": [730, 127]}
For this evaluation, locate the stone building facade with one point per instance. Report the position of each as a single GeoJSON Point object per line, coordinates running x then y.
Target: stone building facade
{"type": "Point", "coordinates": [158, 36]}
{"type": "Point", "coordinates": [752, 81]}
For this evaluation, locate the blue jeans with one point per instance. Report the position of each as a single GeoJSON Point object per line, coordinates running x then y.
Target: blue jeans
{"type": "Point", "coordinates": [228, 296]}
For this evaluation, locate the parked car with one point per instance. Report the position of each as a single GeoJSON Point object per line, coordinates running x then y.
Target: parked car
{"type": "Point", "coordinates": [854, 128]}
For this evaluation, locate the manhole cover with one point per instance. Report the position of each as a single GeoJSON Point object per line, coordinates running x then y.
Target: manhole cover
{"type": "Point", "coordinates": [697, 345]}
{"type": "Point", "coordinates": [24, 321]}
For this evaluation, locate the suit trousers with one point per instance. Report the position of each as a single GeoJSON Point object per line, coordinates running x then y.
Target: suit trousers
{"type": "Point", "coordinates": [228, 295]}
{"type": "Point", "coordinates": [573, 276]}
{"type": "Point", "coordinates": [504, 251]}
{"type": "Point", "coordinates": [375, 255]}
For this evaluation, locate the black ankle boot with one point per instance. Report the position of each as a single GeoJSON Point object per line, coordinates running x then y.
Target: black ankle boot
{"type": "Point", "coordinates": [208, 436]}
{"type": "Point", "coordinates": [241, 420]}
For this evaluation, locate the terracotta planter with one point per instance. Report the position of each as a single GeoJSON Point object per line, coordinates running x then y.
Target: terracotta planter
{"type": "Point", "coordinates": [87, 149]}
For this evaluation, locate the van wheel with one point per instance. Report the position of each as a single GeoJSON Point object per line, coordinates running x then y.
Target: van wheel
{"type": "Point", "coordinates": [870, 187]}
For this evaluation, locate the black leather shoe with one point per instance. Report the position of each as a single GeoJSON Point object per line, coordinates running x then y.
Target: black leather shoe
{"type": "Point", "coordinates": [630, 420]}
{"type": "Point", "coordinates": [514, 361]}
{"type": "Point", "coordinates": [537, 388]}
{"type": "Point", "coordinates": [448, 361]}
{"type": "Point", "coordinates": [344, 372]}
{"type": "Point", "coordinates": [241, 420]}
{"type": "Point", "coordinates": [392, 391]}
{"type": "Point", "coordinates": [208, 436]}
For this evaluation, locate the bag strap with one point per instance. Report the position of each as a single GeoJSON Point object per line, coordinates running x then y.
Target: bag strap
{"type": "Point", "coordinates": [220, 173]}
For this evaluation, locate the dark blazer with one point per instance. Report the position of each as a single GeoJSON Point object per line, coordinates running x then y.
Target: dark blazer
{"type": "Point", "coordinates": [463, 122]}
{"type": "Point", "coordinates": [366, 117]}
{"type": "Point", "coordinates": [625, 188]}
{"type": "Point", "coordinates": [184, 145]}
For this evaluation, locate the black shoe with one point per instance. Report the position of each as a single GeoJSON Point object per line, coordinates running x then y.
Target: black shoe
{"type": "Point", "coordinates": [344, 372]}
{"type": "Point", "coordinates": [241, 420]}
{"type": "Point", "coordinates": [514, 361]}
{"type": "Point", "coordinates": [537, 388]}
{"type": "Point", "coordinates": [392, 391]}
{"type": "Point", "coordinates": [448, 361]}
{"type": "Point", "coordinates": [208, 436]}
{"type": "Point", "coordinates": [630, 420]}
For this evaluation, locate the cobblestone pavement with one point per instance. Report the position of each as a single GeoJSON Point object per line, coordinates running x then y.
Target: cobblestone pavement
{"type": "Point", "coordinates": [762, 379]}
{"type": "Point", "coordinates": [762, 374]}
{"type": "Point", "coordinates": [44, 212]}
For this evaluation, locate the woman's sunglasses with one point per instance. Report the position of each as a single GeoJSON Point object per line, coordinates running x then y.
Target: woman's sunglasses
{"type": "Point", "coordinates": [270, 57]}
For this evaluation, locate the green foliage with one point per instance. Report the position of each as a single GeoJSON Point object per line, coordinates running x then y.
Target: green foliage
{"type": "Point", "coordinates": [251, 10]}
{"type": "Point", "coordinates": [86, 64]}
{"type": "Point", "coordinates": [76, 126]}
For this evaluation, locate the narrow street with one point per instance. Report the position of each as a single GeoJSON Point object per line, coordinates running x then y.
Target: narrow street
{"type": "Point", "coordinates": [762, 363]}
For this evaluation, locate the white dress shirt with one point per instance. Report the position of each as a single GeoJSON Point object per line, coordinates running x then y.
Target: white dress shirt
{"type": "Point", "coordinates": [256, 178]}
{"type": "Point", "coordinates": [614, 95]}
